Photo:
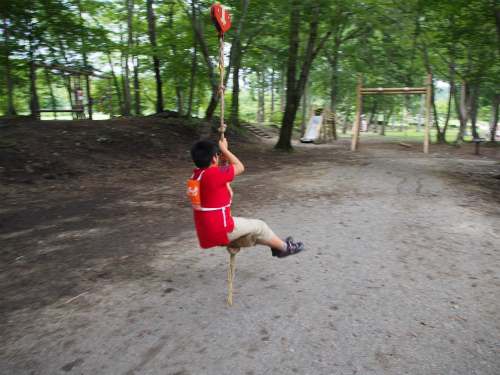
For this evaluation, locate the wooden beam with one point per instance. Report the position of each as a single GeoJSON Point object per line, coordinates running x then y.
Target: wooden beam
{"type": "Point", "coordinates": [392, 92]}
{"type": "Point", "coordinates": [60, 110]}
{"type": "Point", "coordinates": [72, 70]}
{"type": "Point", "coordinates": [382, 89]}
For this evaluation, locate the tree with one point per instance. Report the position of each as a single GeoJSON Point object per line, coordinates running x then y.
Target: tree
{"type": "Point", "coordinates": [236, 58]}
{"type": "Point", "coordinates": [495, 107]}
{"type": "Point", "coordinates": [129, 6]}
{"type": "Point", "coordinates": [462, 36]}
{"type": "Point", "coordinates": [156, 60]}
{"type": "Point", "coordinates": [6, 58]}
{"type": "Point", "coordinates": [197, 18]}
{"type": "Point", "coordinates": [496, 14]}
{"type": "Point", "coordinates": [295, 86]}
{"type": "Point", "coordinates": [347, 23]}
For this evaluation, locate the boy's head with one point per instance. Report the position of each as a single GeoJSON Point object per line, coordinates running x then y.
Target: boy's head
{"type": "Point", "coordinates": [202, 152]}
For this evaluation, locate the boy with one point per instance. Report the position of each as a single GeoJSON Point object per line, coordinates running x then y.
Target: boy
{"type": "Point", "coordinates": [214, 224]}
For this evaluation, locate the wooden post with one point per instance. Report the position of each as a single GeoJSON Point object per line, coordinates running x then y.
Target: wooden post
{"type": "Point", "coordinates": [355, 126]}
{"type": "Point", "coordinates": [428, 115]}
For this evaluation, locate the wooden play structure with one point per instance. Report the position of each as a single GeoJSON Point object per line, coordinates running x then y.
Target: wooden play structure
{"type": "Point", "coordinates": [321, 127]}
{"type": "Point", "coordinates": [77, 98]}
{"type": "Point", "coordinates": [389, 91]}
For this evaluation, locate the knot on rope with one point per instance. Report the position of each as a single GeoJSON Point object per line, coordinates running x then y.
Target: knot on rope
{"type": "Point", "coordinates": [222, 128]}
{"type": "Point", "coordinates": [221, 90]}
{"type": "Point", "coordinates": [233, 251]}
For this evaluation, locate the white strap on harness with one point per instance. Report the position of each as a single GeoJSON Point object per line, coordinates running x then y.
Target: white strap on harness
{"type": "Point", "coordinates": [199, 177]}
{"type": "Point", "coordinates": [223, 209]}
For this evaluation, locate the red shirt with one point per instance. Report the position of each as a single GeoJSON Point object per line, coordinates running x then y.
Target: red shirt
{"type": "Point", "coordinates": [212, 226]}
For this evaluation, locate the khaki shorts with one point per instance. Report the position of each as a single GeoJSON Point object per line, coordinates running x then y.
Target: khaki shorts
{"type": "Point", "coordinates": [244, 226]}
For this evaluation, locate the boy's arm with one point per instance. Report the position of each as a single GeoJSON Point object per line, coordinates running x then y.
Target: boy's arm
{"type": "Point", "coordinates": [233, 160]}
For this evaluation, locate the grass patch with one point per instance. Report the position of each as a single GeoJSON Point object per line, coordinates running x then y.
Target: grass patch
{"type": "Point", "coordinates": [409, 134]}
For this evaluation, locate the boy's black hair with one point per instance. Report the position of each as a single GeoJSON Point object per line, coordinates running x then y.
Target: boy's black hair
{"type": "Point", "coordinates": [203, 151]}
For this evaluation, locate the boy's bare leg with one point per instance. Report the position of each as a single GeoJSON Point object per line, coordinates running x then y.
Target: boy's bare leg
{"type": "Point", "coordinates": [275, 242]}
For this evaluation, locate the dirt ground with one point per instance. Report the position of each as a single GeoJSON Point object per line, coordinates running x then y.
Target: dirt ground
{"type": "Point", "coordinates": [101, 272]}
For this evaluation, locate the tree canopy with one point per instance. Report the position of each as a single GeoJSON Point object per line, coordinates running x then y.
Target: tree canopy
{"type": "Point", "coordinates": [164, 55]}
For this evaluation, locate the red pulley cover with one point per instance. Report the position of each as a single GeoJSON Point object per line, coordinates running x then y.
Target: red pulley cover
{"type": "Point", "coordinates": [220, 18]}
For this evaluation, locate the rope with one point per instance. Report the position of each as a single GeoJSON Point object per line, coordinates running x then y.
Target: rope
{"type": "Point", "coordinates": [232, 250]}
{"type": "Point", "coordinates": [222, 88]}
{"type": "Point", "coordinates": [230, 272]}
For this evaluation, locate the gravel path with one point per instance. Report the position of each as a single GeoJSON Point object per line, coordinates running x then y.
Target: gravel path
{"type": "Point", "coordinates": [400, 275]}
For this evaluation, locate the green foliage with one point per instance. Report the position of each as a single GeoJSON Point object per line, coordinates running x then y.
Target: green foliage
{"type": "Point", "coordinates": [390, 43]}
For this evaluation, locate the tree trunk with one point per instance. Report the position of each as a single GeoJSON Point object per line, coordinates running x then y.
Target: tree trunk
{"type": "Point", "coordinates": [126, 81]}
{"type": "Point", "coordinates": [403, 113]}
{"type": "Point", "coordinates": [11, 110]}
{"type": "Point", "coordinates": [156, 60]}
{"type": "Point", "coordinates": [434, 109]}
{"type": "Point", "coordinates": [84, 56]}
{"type": "Point", "coordinates": [89, 97]}
{"type": "Point", "coordinates": [372, 115]}
{"type": "Point", "coordinates": [333, 119]}
{"type": "Point", "coordinates": [296, 88]}
{"type": "Point", "coordinates": [272, 92]}
{"type": "Point", "coordinates": [393, 118]}
{"type": "Point", "coordinates": [117, 86]}
{"type": "Point", "coordinates": [198, 98]}
{"type": "Point", "coordinates": [34, 106]}
{"type": "Point", "coordinates": [33, 95]}
{"type": "Point", "coordinates": [494, 117]}
{"type": "Point", "coordinates": [235, 103]}
{"type": "Point", "coordinates": [333, 64]}
{"type": "Point", "coordinates": [384, 121]}
{"type": "Point", "coordinates": [191, 88]}
{"type": "Point", "coordinates": [235, 62]}
{"type": "Point", "coordinates": [473, 110]}
{"type": "Point", "coordinates": [199, 26]}
{"type": "Point", "coordinates": [284, 142]}
{"type": "Point", "coordinates": [433, 103]}
{"type": "Point", "coordinates": [462, 110]}
{"type": "Point", "coordinates": [347, 111]}
{"type": "Point", "coordinates": [283, 85]}
{"type": "Point", "coordinates": [137, 88]}
{"type": "Point", "coordinates": [67, 77]}
{"type": "Point", "coordinates": [180, 99]}
{"type": "Point", "coordinates": [441, 136]}
{"type": "Point", "coordinates": [497, 20]}
{"type": "Point", "coordinates": [421, 112]}
{"type": "Point", "coordinates": [304, 113]}
{"type": "Point", "coordinates": [261, 111]}
{"type": "Point", "coordinates": [51, 90]}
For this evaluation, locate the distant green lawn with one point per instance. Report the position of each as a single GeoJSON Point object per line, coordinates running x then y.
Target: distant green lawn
{"type": "Point", "coordinates": [410, 134]}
